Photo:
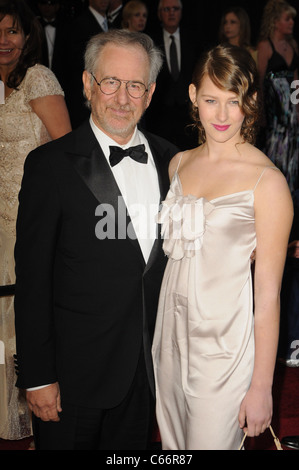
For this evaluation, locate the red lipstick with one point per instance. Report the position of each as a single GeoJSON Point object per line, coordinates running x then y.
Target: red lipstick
{"type": "Point", "coordinates": [220, 128]}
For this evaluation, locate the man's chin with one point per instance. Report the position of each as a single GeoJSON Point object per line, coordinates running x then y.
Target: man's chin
{"type": "Point", "coordinates": [121, 131]}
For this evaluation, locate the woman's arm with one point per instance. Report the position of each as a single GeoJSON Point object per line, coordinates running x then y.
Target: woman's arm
{"type": "Point", "coordinates": [53, 112]}
{"type": "Point", "coordinates": [273, 216]}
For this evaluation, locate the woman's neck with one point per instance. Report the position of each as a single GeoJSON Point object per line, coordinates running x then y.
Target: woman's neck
{"type": "Point", "coordinates": [280, 37]}
{"type": "Point", "coordinates": [222, 150]}
{"type": "Point", "coordinates": [234, 41]}
{"type": "Point", "coordinates": [4, 73]}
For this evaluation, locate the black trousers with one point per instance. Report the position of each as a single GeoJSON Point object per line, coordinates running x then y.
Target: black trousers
{"type": "Point", "coordinates": [127, 426]}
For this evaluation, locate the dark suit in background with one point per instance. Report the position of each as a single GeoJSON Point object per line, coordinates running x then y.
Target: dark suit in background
{"type": "Point", "coordinates": [54, 24]}
{"type": "Point", "coordinates": [169, 114]}
{"type": "Point", "coordinates": [78, 34]}
{"type": "Point", "coordinates": [114, 13]}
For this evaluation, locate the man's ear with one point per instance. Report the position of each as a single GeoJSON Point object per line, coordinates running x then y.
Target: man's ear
{"type": "Point", "coordinates": [86, 78]}
{"type": "Point", "coordinates": [150, 94]}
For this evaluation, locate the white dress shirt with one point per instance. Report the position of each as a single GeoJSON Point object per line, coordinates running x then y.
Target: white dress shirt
{"type": "Point", "coordinates": [50, 33]}
{"type": "Point", "coordinates": [102, 20]}
{"type": "Point", "coordinates": [139, 186]}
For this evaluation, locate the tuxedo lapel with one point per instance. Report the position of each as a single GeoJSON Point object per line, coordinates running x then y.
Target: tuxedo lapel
{"type": "Point", "coordinates": [96, 174]}
{"type": "Point", "coordinates": [162, 172]}
{"type": "Point", "coordinates": [91, 165]}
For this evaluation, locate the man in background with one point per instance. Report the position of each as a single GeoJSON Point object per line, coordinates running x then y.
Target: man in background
{"type": "Point", "coordinates": [169, 112]}
{"type": "Point", "coordinates": [92, 21]}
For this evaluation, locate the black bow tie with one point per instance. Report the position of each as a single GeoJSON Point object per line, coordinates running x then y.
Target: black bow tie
{"type": "Point", "coordinates": [138, 154]}
{"type": "Point", "coordinates": [48, 23]}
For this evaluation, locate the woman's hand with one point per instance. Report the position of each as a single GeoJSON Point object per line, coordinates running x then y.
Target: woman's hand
{"type": "Point", "coordinates": [256, 412]}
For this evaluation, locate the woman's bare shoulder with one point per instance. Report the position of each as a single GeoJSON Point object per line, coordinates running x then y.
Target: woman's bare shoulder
{"type": "Point", "coordinates": [271, 183]}
{"type": "Point", "coordinates": [256, 157]}
{"type": "Point", "coordinates": [179, 159]}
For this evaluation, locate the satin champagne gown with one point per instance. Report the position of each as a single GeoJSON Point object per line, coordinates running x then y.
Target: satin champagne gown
{"type": "Point", "coordinates": [203, 347]}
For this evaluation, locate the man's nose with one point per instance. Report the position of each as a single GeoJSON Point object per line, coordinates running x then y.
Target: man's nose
{"type": "Point", "coordinates": [122, 94]}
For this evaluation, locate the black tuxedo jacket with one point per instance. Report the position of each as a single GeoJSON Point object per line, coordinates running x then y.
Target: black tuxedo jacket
{"type": "Point", "coordinates": [84, 307]}
{"type": "Point", "coordinates": [169, 114]}
{"type": "Point", "coordinates": [170, 91]}
{"type": "Point", "coordinates": [59, 53]}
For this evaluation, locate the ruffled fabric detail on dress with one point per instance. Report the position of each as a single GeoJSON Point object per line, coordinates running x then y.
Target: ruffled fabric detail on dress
{"type": "Point", "coordinates": [183, 220]}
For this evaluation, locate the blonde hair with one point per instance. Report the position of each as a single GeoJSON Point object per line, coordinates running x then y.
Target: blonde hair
{"type": "Point", "coordinates": [233, 69]}
{"type": "Point", "coordinates": [272, 12]}
{"type": "Point", "coordinates": [129, 10]}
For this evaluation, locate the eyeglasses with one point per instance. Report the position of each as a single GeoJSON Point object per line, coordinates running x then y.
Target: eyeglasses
{"type": "Point", "coordinates": [169, 9]}
{"type": "Point", "coordinates": [110, 85]}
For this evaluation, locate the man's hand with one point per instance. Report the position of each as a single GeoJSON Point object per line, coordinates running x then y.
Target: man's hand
{"type": "Point", "coordinates": [45, 402]}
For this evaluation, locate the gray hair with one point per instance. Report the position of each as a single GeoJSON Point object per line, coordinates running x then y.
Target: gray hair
{"type": "Point", "coordinates": [160, 5]}
{"type": "Point", "coordinates": [123, 38]}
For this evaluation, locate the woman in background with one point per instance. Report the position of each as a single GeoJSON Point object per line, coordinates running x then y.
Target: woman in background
{"type": "Point", "coordinates": [32, 112]}
{"type": "Point", "coordinates": [278, 63]}
{"type": "Point", "coordinates": [135, 16]}
{"type": "Point", "coordinates": [235, 29]}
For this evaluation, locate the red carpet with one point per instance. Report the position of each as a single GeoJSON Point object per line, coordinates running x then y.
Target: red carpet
{"type": "Point", "coordinates": [285, 420]}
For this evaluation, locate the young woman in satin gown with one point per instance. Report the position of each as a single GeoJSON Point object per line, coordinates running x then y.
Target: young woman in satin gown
{"type": "Point", "coordinates": [215, 340]}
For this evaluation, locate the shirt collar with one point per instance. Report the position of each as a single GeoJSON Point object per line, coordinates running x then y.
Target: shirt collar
{"type": "Point", "coordinates": [105, 141]}
{"type": "Point", "coordinates": [100, 18]}
{"type": "Point", "coordinates": [114, 13]}
{"type": "Point", "coordinates": [176, 34]}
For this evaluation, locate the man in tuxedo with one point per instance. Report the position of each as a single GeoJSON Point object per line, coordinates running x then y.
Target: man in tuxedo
{"type": "Point", "coordinates": [92, 21]}
{"type": "Point", "coordinates": [169, 112]}
{"type": "Point", "coordinates": [115, 13]}
{"type": "Point", "coordinates": [89, 261]}
{"type": "Point", "coordinates": [54, 35]}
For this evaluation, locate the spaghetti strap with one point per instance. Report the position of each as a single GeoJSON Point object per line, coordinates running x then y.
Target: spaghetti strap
{"type": "Point", "coordinates": [272, 45]}
{"type": "Point", "coordinates": [177, 168]}
{"type": "Point", "coordinates": [261, 175]}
